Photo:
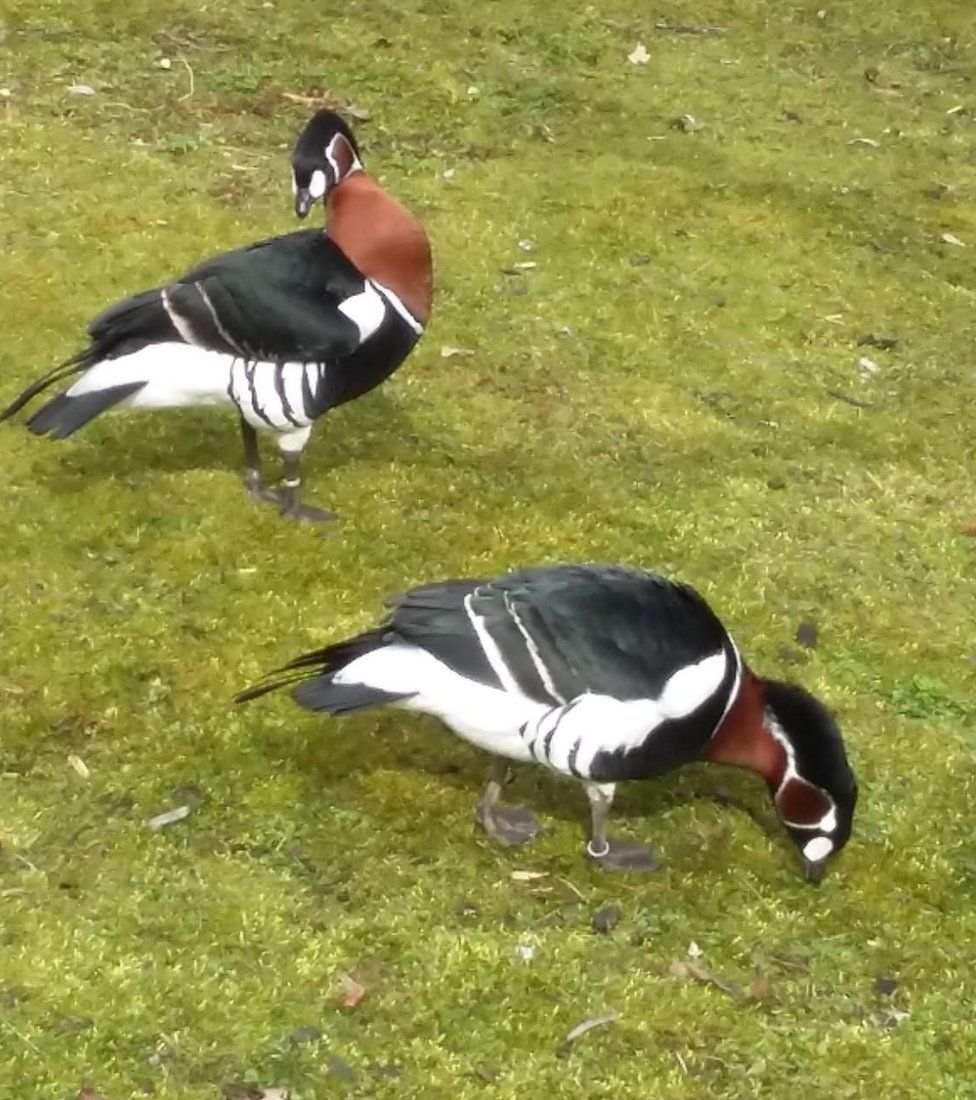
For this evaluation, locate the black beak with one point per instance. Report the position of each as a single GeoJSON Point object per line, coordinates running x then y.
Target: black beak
{"type": "Point", "coordinates": [303, 202]}
{"type": "Point", "coordinates": [814, 870]}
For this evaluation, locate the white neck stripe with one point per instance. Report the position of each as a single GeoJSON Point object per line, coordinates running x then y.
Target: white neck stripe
{"type": "Point", "coordinates": [829, 820]}
{"type": "Point", "coordinates": [398, 305]}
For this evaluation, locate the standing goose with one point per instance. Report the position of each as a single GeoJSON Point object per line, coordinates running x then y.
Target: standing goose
{"type": "Point", "coordinates": [285, 329]}
{"type": "Point", "coordinates": [598, 672]}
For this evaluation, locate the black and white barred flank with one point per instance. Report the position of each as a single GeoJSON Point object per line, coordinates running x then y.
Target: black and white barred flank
{"type": "Point", "coordinates": [599, 672]}
{"type": "Point", "coordinates": [277, 328]}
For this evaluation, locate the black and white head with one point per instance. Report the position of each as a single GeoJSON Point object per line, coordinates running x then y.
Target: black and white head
{"type": "Point", "coordinates": [324, 154]}
{"type": "Point", "coordinates": [813, 787]}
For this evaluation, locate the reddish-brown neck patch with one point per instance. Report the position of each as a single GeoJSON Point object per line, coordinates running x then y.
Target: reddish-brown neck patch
{"type": "Point", "coordinates": [385, 241]}
{"type": "Point", "coordinates": [742, 739]}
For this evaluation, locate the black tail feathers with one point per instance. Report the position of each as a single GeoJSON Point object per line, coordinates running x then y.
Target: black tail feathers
{"type": "Point", "coordinates": [75, 365]}
{"type": "Point", "coordinates": [123, 328]}
{"type": "Point", "coordinates": [64, 415]}
{"type": "Point", "coordinates": [311, 677]}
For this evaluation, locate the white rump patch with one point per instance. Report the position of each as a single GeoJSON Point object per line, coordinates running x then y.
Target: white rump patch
{"type": "Point", "coordinates": [366, 311]}
{"type": "Point", "coordinates": [487, 717]}
{"type": "Point", "coordinates": [174, 375]}
{"type": "Point", "coordinates": [817, 849]}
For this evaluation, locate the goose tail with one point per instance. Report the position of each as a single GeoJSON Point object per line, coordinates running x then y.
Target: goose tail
{"type": "Point", "coordinates": [312, 678]}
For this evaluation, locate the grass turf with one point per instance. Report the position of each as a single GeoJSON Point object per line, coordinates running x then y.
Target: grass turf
{"type": "Point", "coordinates": [675, 384]}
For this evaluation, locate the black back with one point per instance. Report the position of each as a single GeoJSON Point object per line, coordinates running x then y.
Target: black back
{"type": "Point", "coordinates": [604, 629]}
{"type": "Point", "coordinates": [277, 299]}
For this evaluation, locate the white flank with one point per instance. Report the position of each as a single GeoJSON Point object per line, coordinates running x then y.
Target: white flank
{"type": "Point", "coordinates": [292, 442]}
{"type": "Point", "coordinates": [533, 652]}
{"type": "Point", "coordinates": [592, 724]}
{"type": "Point", "coordinates": [366, 311]}
{"type": "Point", "coordinates": [181, 325]}
{"type": "Point", "coordinates": [292, 375]}
{"type": "Point", "coordinates": [487, 717]}
{"type": "Point", "coordinates": [398, 305]}
{"type": "Point", "coordinates": [817, 849]}
{"type": "Point", "coordinates": [185, 374]}
{"type": "Point", "coordinates": [690, 686]}
{"type": "Point", "coordinates": [174, 375]}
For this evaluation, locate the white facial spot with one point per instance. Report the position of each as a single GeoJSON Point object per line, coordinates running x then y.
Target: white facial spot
{"type": "Point", "coordinates": [316, 186]}
{"type": "Point", "coordinates": [817, 849]}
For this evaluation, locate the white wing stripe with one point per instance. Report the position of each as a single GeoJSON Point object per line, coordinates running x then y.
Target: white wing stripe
{"type": "Point", "coordinates": [216, 320]}
{"type": "Point", "coordinates": [179, 323]}
{"type": "Point", "coordinates": [533, 652]}
{"type": "Point", "coordinates": [491, 650]}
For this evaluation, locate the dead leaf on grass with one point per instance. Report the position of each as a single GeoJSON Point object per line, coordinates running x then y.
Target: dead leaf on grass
{"type": "Point", "coordinates": [687, 124]}
{"type": "Point", "coordinates": [169, 817]}
{"type": "Point", "coordinates": [327, 99]}
{"type": "Point", "coordinates": [449, 352]}
{"type": "Point", "coordinates": [759, 988]}
{"type": "Point", "coordinates": [588, 1025]}
{"type": "Point", "coordinates": [80, 767]}
{"type": "Point", "coordinates": [353, 994]}
{"type": "Point", "coordinates": [639, 55]}
{"type": "Point", "coordinates": [529, 876]}
{"type": "Point", "coordinates": [237, 1091]}
{"type": "Point", "coordinates": [687, 969]}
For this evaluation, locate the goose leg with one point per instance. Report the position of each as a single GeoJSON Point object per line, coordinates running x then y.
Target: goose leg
{"type": "Point", "coordinates": [510, 825]}
{"type": "Point", "coordinates": [253, 482]}
{"type": "Point", "coordinates": [612, 855]}
{"type": "Point", "coordinates": [288, 497]}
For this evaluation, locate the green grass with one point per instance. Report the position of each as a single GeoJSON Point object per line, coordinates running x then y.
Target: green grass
{"type": "Point", "coordinates": [679, 413]}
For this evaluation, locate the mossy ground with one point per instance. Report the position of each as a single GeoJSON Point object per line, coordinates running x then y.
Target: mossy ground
{"type": "Point", "coordinates": [676, 384]}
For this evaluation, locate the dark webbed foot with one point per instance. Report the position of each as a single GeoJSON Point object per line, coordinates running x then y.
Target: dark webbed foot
{"type": "Point", "coordinates": [303, 513]}
{"type": "Point", "coordinates": [287, 496]}
{"type": "Point", "coordinates": [285, 500]}
{"type": "Point", "coordinates": [623, 855]}
{"type": "Point", "coordinates": [257, 489]}
{"type": "Point", "coordinates": [509, 825]}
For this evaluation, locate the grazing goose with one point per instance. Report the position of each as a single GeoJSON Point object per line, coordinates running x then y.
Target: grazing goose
{"type": "Point", "coordinates": [285, 329]}
{"type": "Point", "coordinates": [599, 672]}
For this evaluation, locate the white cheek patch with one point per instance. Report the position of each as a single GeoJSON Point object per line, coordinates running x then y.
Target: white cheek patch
{"type": "Point", "coordinates": [817, 849]}
{"type": "Point", "coordinates": [316, 186]}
